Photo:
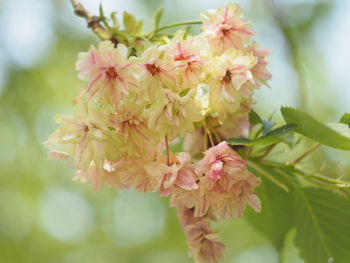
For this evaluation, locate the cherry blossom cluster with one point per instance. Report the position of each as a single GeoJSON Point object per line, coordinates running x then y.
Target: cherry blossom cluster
{"type": "Point", "coordinates": [192, 88]}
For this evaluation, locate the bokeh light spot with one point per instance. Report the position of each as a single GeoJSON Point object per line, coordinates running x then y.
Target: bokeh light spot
{"type": "Point", "coordinates": [261, 254]}
{"type": "Point", "coordinates": [65, 215]}
{"type": "Point", "coordinates": [137, 217]}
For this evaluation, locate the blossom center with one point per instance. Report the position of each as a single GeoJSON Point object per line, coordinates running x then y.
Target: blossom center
{"type": "Point", "coordinates": [153, 69]}
{"type": "Point", "coordinates": [225, 31]}
{"type": "Point", "coordinates": [111, 73]}
{"type": "Point", "coordinates": [227, 77]}
{"type": "Point", "coordinates": [216, 171]}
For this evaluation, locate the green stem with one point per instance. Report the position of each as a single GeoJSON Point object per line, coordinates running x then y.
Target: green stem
{"type": "Point", "coordinates": [270, 163]}
{"type": "Point", "coordinates": [269, 149]}
{"type": "Point", "coordinates": [268, 176]}
{"type": "Point", "coordinates": [314, 178]}
{"type": "Point", "coordinates": [322, 178]}
{"type": "Point", "coordinates": [306, 153]}
{"type": "Point", "coordinates": [177, 25]}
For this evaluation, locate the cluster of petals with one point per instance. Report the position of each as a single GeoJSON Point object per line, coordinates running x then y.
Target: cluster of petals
{"type": "Point", "coordinates": [133, 106]}
{"type": "Point", "coordinates": [204, 243]}
{"type": "Point", "coordinates": [225, 185]}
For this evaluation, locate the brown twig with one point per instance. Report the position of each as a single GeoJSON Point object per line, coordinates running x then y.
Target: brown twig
{"type": "Point", "coordinates": [93, 21]}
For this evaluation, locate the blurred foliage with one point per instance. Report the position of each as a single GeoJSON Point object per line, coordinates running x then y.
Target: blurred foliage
{"type": "Point", "coordinates": [86, 226]}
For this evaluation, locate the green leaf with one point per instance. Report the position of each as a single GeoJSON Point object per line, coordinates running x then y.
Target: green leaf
{"type": "Point", "coordinates": [131, 51]}
{"type": "Point", "coordinates": [290, 253]}
{"type": "Point", "coordinates": [267, 125]}
{"type": "Point", "coordinates": [132, 26]}
{"type": "Point", "coordinates": [254, 119]}
{"type": "Point", "coordinates": [158, 16]}
{"type": "Point", "coordinates": [184, 92]}
{"type": "Point", "coordinates": [340, 128]}
{"type": "Point", "coordinates": [315, 130]}
{"type": "Point", "coordinates": [114, 18]}
{"type": "Point", "coordinates": [102, 17]}
{"type": "Point", "coordinates": [345, 119]}
{"type": "Point", "coordinates": [241, 141]}
{"type": "Point", "coordinates": [275, 218]}
{"type": "Point", "coordinates": [322, 225]}
{"type": "Point", "coordinates": [320, 217]}
{"type": "Point", "coordinates": [187, 31]}
{"type": "Point", "coordinates": [281, 134]}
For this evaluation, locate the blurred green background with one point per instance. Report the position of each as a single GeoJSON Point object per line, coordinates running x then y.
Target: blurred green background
{"type": "Point", "coordinates": [45, 217]}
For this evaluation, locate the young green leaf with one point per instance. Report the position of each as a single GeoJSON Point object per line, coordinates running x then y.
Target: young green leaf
{"type": "Point", "coordinates": [315, 130]}
{"type": "Point", "coordinates": [267, 126]}
{"type": "Point", "coordinates": [103, 18]}
{"type": "Point", "coordinates": [158, 16]}
{"type": "Point", "coordinates": [345, 119]}
{"type": "Point", "coordinates": [132, 26]}
{"type": "Point", "coordinates": [114, 18]}
{"type": "Point", "coordinates": [186, 31]}
{"type": "Point", "coordinates": [254, 118]}
{"type": "Point", "coordinates": [281, 134]}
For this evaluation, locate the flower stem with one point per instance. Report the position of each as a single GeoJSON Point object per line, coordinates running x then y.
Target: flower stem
{"type": "Point", "coordinates": [177, 25]}
{"type": "Point", "coordinates": [334, 182]}
{"type": "Point", "coordinates": [306, 153]}
{"type": "Point", "coordinates": [205, 139]}
{"type": "Point", "coordinates": [217, 137]}
{"type": "Point", "coordinates": [268, 176]}
{"type": "Point", "coordinates": [167, 150]}
{"type": "Point", "coordinates": [269, 149]}
{"type": "Point", "coordinates": [209, 133]}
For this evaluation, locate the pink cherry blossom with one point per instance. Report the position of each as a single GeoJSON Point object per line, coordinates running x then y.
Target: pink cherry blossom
{"type": "Point", "coordinates": [133, 173]}
{"type": "Point", "coordinates": [220, 161]}
{"type": "Point", "coordinates": [172, 114]}
{"type": "Point", "coordinates": [156, 69]}
{"type": "Point", "coordinates": [225, 28]}
{"type": "Point", "coordinates": [179, 172]}
{"type": "Point", "coordinates": [191, 54]}
{"type": "Point", "coordinates": [107, 70]}
{"type": "Point", "coordinates": [131, 126]}
{"type": "Point", "coordinates": [259, 71]}
{"type": "Point", "coordinates": [204, 242]}
{"type": "Point", "coordinates": [98, 177]}
{"type": "Point", "coordinates": [227, 74]}
{"type": "Point", "coordinates": [85, 136]}
{"type": "Point", "coordinates": [225, 185]}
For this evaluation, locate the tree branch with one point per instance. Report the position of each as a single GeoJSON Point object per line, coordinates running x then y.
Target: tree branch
{"type": "Point", "coordinates": [93, 22]}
